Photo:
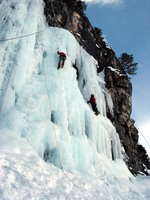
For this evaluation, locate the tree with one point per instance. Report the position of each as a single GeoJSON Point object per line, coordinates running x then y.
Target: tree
{"type": "Point", "coordinates": [81, 5]}
{"type": "Point", "coordinates": [98, 31]}
{"type": "Point", "coordinates": [128, 64]}
{"type": "Point", "coordinates": [76, 4]}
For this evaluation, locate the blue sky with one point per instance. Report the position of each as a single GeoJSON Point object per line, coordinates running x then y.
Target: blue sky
{"type": "Point", "coordinates": [126, 26]}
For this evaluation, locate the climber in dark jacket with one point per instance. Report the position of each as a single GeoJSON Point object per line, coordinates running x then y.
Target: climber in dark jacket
{"type": "Point", "coordinates": [92, 101]}
{"type": "Point", "coordinates": [62, 58]}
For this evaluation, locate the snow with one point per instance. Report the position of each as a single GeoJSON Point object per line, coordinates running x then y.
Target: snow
{"type": "Point", "coordinates": [116, 71]}
{"type": "Point", "coordinates": [52, 145]}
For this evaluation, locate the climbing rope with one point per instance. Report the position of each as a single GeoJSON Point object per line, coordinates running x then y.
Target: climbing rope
{"type": "Point", "coordinates": [23, 36]}
{"type": "Point", "coordinates": [57, 41]}
{"type": "Point", "coordinates": [56, 141]}
{"type": "Point", "coordinates": [142, 135]}
{"type": "Point", "coordinates": [7, 84]}
{"type": "Point", "coordinates": [9, 78]}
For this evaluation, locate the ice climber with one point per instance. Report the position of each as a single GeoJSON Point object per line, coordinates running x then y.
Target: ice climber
{"type": "Point", "coordinates": [92, 101]}
{"type": "Point", "coordinates": [62, 58]}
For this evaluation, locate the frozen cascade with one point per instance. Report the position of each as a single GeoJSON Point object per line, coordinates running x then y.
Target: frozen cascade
{"type": "Point", "coordinates": [46, 106]}
{"type": "Point", "coordinates": [44, 115]}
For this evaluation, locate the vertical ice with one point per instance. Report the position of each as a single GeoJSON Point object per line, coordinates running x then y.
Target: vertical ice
{"type": "Point", "coordinates": [47, 106]}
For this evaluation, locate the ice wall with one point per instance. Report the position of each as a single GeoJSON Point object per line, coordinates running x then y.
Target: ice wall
{"type": "Point", "coordinates": [46, 106]}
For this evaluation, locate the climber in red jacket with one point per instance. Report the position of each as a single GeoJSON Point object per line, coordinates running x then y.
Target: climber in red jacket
{"type": "Point", "coordinates": [62, 58]}
{"type": "Point", "coordinates": [92, 101]}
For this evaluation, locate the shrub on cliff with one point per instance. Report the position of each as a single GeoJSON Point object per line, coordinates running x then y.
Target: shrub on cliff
{"type": "Point", "coordinates": [81, 5]}
{"type": "Point", "coordinates": [128, 64]}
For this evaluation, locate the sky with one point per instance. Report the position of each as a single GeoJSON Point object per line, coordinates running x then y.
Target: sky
{"type": "Point", "coordinates": [126, 27]}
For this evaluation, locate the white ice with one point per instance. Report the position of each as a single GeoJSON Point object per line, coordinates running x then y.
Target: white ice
{"type": "Point", "coordinates": [44, 115]}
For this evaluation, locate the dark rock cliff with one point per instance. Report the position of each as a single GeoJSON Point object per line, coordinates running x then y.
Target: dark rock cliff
{"type": "Point", "coordinates": [69, 14]}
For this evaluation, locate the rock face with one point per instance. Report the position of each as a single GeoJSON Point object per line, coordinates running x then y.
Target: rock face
{"type": "Point", "coordinates": [70, 15]}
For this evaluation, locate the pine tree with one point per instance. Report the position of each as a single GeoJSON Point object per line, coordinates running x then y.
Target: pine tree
{"type": "Point", "coordinates": [80, 5]}
{"type": "Point", "coordinates": [98, 31]}
{"type": "Point", "coordinates": [128, 64]}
